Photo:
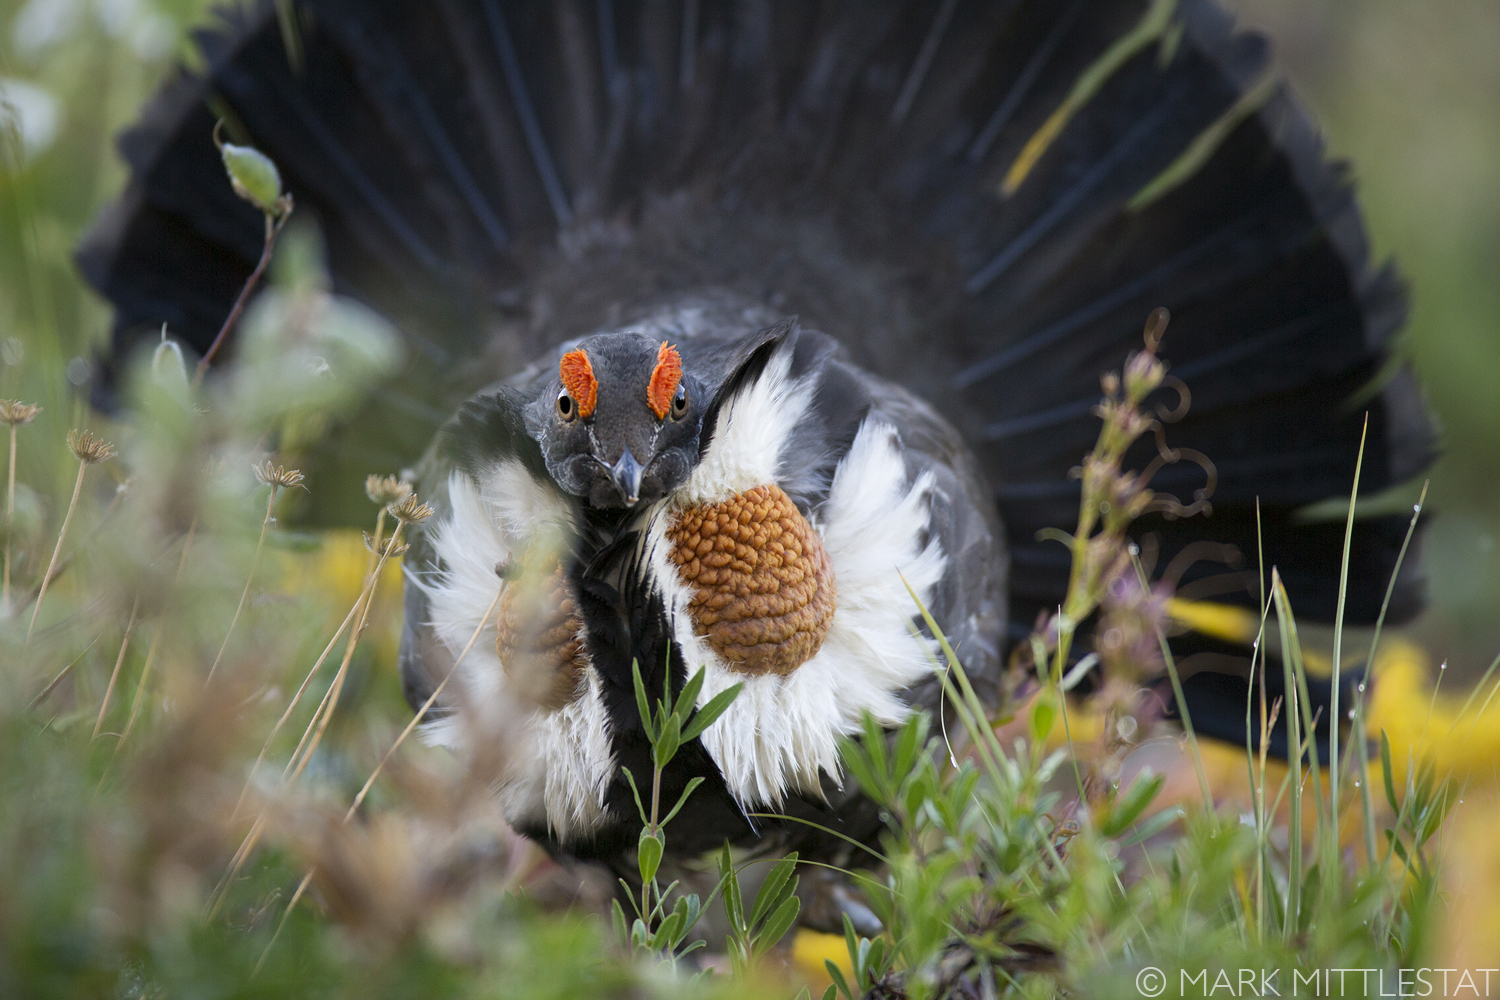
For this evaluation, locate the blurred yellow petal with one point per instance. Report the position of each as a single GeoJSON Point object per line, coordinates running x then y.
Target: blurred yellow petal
{"type": "Point", "coordinates": [810, 949]}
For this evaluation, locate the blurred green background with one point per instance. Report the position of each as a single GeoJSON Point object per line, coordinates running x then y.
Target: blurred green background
{"type": "Point", "coordinates": [1410, 92]}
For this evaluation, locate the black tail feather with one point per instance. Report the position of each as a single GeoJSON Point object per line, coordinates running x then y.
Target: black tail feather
{"type": "Point", "coordinates": [1001, 190]}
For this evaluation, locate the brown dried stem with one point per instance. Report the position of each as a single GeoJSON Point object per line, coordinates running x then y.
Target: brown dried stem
{"type": "Point", "coordinates": [370, 782]}
{"type": "Point", "coordinates": [273, 229]}
{"type": "Point", "coordinates": [57, 550]}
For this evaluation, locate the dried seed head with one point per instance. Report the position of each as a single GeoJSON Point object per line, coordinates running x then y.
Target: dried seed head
{"type": "Point", "coordinates": [276, 475]}
{"type": "Point", "coordinates": [386, 490]}
{"type": "Point", "coordinates": [385, 547]}
{"type": "Point", "coordinates": [88, 448]}
{"type": "Point", "coordinates": [409, 508]}
{"type": "Point", "coordinates": [13, 411]}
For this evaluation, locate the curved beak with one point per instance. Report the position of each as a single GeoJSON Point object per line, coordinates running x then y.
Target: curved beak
{"type": "Point", "coordinates": [626, 474]}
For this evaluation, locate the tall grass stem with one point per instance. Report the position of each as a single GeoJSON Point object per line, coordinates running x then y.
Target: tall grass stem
{"type": "Point", "coordinates": [265, 525]}
{"type": "Point", "coordinates": [56, 551]}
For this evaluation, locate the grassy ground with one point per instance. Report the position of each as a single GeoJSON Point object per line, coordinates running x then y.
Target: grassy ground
{"type": "Point", "coordinates": [156, 826]}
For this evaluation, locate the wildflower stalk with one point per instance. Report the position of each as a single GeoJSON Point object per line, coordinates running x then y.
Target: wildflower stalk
{"type": "Point", "coordinates": [42, 695]}
{"type": "Point", "coordinates": [276, 478]}
{"type": "Point", "coordinates": [10, 521]}
{"type": "Point", "coordinates": [297, 698]}
{"type": "Point", "coordinates": [370, 782]}
{"type": "Point", "coordinates": [406, 509]}
{"type": "Point", "coordinates": [14, 413]}
{"type": "Point", "coordinates": [419, 512]}
{"type": "Point", "coordinates": [114, 675]}
{"type": "Point", "coordinates": [312, 735]}
{"type": "Point", "coordinates": [140, 690]}
{"type": "Point", "coordinates": [88, 449]}
{"type": "Point", "coordinates": [1111, 500]}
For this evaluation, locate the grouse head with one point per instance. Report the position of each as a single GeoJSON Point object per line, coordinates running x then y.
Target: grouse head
{"type": "Point", "coordinates": [621, 421]}
{"type": "Point", "coordinates": [626, 418]}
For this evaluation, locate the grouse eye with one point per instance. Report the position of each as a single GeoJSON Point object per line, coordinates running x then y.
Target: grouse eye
{"type": "Point", "coordinates": [679, 402]}
{"type": "Point", "coordinates": [566, 408]}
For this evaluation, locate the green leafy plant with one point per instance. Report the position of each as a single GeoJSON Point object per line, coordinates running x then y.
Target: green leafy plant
{"type": "Point", "coordinates": [668, 724]}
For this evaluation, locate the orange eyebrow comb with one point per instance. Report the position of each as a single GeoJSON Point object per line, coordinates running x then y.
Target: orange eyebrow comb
{"type": "Point", "coordinates": [578, 378]}
{"type": "Point", "coordinates": [665, 378]}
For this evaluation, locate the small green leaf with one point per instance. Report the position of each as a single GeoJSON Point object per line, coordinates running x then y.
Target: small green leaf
{"type": "Point", "coordinates": [648, 854]}
{"type": "Point", "coordinates": [909, 741]}
{"type": "Point", "coordinates": [851, 941]}
{"type": "Point", "coordinates": [875, 746]}
{"type": "Point", "coordinates": [857, 763]}
{"type": "Point", "coordinates": [710, 712]}
{"type": "Point", "coordinates": [1042, 716]}
{"type": "Point", "coordinates": [1397, 845]}
{"type": "Point", "coordinates": [1437, 811]}
{"type": "Point", "coordinates": [837, 975]}
{"type": "Point", "coordinates": [667, 741]}
{"type": "Point", "coordinates": [832, 991]}
{"type": "Point", "coordinates": [630, 895]}
{"type": "Point", "coordinates": [1388, 771]}
{"type": "Point", "coordinates": [1129, 806]}
{"type": "Point", "coordinates": [733, 905]}
{"type": "Point", "coordinates": [692, 784]}
{"type": "Point", "coordinates": [641, 703]}
{"type": "Point", "coordinates": [630, 778]}
{"type": "Point", "coordinates": [667, 933]}
{"type": "Point", "coordinates": [253, 176]}
{"type": "Point", "coordinates": [617, 916]}
{"type": "Point", "coordinates": [689, 696]}
{"type": "Point", "coordinates": [779, 923]}
{"type": "Point", "coordinates": [1152, 826]}
{"type": "Point", "coordinates": [777, 886]}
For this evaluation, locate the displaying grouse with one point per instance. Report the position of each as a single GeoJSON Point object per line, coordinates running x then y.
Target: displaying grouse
{"type": "Point", "coordinates": [765, 310]}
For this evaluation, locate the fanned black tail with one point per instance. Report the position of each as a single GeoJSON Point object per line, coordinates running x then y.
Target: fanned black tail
{"type": "Point", "coordinates": [982, 199]}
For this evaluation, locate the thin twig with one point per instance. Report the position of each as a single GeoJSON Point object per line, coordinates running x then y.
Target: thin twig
{"type": "Point", "coordinates": [273, 227]}
{"type": "Point", "coordinates": [57, 551]}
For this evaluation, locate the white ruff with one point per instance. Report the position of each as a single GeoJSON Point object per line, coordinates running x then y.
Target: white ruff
{"type": "Point", "coordinates": [746, 447]}
{"type": "Point", "coordinates": [782, 732]}
{"type": "Point", "coordinates": [558, 763]}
